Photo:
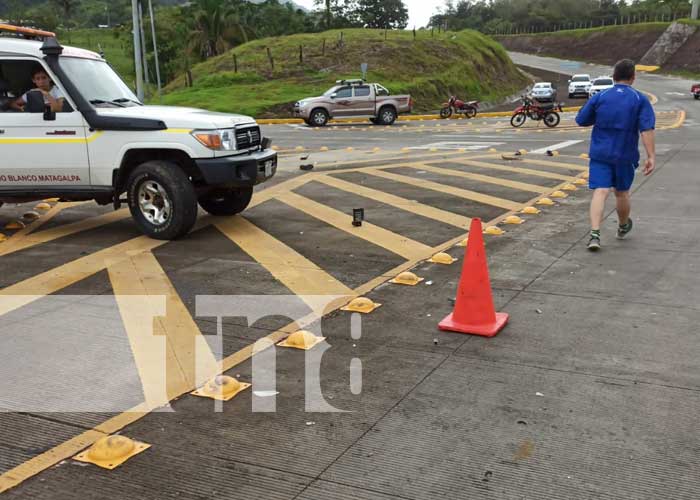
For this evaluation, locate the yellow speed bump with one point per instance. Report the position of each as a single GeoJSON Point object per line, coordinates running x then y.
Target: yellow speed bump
{"type": "Point", "coordinates": [301, 339]}
{"type": "Point", "coordinates": [580, 182]}
{"type": "Point", "coordinates": [493, 150]}
{"type": "Point", "coordinates": [405, 150]}
{"type": "Point", "coordinates": [51, 200]}
{"type": "Point", "coordinates": [558, 194]}
{"type": "Point", "coordinates": [2, 237]}
{"type": "Point", "coordinates": [349, 149]}
{"type": "Point", "coordinates": [111, 451]}
{"type": "Point", "coordinates": [584, 156]}
{"type": "Point", "coordinates": [522, 151]}
{"type": "Point", "coordinates": [15, 224]}
{"type": "Point", "coordinates": [324, 148]}
{"type": "Point", "coordinates": [376, 150]}
{"type": "Point", "coordinates": [544, 201]}
{"type": "Point", "coordinates": [510, 157]}
{"type": "Point", "coordinates": [530, 210]}
{"type": "Point", "coordinates": [584, 175]}
{"type": "Point", "coordinates": [463, 243]}
{"type": "Point", "coordinates": [42, 206]}
{"type": "Point", "coordinates": [299, 148]}
{"type": "Point", "coordinates": [569, 187]}
{"type": "Point", "coordinates": [513, 219]}
{"type": "Point", "coordinates": [494, 230]}
{"type": "Point", "coordinates": [361, 305]}
{"type": "Point", "coordinates": [406, 278]}
{"type": "Point", "coordinates": [275, 148]}
{"type": "Point", "coordinates": [442, 258]}
{"type": "Point", "coordinates": [221, 387]}
{"type": "Point", "coordinates": [30, 216]}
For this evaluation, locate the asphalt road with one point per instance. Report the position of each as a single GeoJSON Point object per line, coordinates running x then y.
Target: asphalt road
{"type": "Point", "coordinates": [591, 392]}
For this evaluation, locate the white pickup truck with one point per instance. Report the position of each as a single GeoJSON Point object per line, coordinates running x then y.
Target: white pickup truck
{"type": "Point", "coordinates": [104, 142]}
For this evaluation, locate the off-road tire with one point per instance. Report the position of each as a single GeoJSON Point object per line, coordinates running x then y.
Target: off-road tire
{"type": "Point", "coordinates": [386, 116]}
{"type": "Point", "coordinates": [181, 194]}
{"type": "Point", "coordinates": [226, 201]}
{"type": "Point", "coordinates": [518, 120]}
{"type": "Point", "coordinates": [470, 112]}
{"type": "Point", "coordinates": [318, 117]}
{"type": "Point", "coordinates": [446, 112]}
{"type": "Point", "coordinates": [552, 119]}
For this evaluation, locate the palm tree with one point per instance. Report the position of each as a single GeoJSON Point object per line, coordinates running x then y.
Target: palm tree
{"type": "Point", "coordinates": [215, 25]}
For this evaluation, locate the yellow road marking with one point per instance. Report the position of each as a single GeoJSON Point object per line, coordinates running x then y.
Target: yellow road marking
{"type": "Point", "coordinates": [292, 269]}
{"type": "Point", "coordinates": [522, 186]}
{"type": "Point", "coordinates": [434, 186]}
{"type": "Point", "coordinates": [384, 238]}
{"type": "Point", "coordinates": [61, 231]}
{"type": "Point", "coordinates": [169, 351]}
{"type": "Point", "coordinates": [528, 171]}
{"type": "Point", "coordinates": [27, 291]}
{"type": "Point", "coordinates": [396, 201]}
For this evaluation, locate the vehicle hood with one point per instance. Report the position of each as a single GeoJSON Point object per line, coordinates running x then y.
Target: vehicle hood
{"type": "Point", "coordinates": [579, 84]}
{"type": "Point", "coordinates": [308, 100]}
{"type": "Point", "coordinates": [179, 117]}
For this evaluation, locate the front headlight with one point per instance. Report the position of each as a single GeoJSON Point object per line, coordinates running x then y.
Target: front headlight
{"type": "Point", "coordinates": [219, 140]}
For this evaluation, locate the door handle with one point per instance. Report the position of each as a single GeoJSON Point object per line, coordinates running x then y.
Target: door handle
{"type": "Point", "coordinates": [2, 131]}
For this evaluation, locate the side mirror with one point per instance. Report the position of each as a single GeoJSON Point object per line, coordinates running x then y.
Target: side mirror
{"type": "Point", "coordinates": [266, 143]}
{"type": "Point", "coordinates": [49, 115]}
{"type": "Point", "coordinates": [35, 102]}
{"type": "Point", "coordinates": [334, 95]}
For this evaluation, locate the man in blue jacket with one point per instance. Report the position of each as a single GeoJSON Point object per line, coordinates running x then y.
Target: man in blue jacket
{"type": "Point", "coordinates": [619, 116]}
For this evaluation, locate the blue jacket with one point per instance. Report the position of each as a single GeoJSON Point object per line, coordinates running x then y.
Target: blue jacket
{"type": "Point", "coordinates": [618, 115]}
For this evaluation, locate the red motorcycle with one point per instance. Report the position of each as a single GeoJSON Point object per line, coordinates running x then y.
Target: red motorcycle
{"type": "Point", "coordinates": [455, 105]}
{"type": "Point", "coordinates": [534, 110]}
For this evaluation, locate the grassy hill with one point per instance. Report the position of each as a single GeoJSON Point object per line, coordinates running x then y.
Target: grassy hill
{"type": "Point", "coordinates": [430, 68]}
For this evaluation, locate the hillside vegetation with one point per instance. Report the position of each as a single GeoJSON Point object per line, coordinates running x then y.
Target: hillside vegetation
{"type": "Point", "coordinates": [605, 45]}
{"type": "Point", "coordinates": [430, 68]}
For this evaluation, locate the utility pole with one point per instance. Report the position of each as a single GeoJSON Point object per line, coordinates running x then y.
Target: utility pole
{"type": "Point", "coordinates": [696, 6]}
{"type": "Point", "coordinates": [155, 45]}
{"type": "Point", "coordinates": [143, 49]}
{"type": "Point", "coordinates": [138, 63]}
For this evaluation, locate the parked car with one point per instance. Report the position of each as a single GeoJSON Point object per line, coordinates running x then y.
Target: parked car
{"type": "Point", "coordinates": [352, 99]}
{"type": "Point", "coordinates": [579, 85]}
{"type": "Point", "coordinates": [544, 92]}
{"type": "Point", "coordinates": [696, 91]}
{"type": "Point", "coordinates": [103, 144]}
{"type": "Point", "coordinates": [601, 84]}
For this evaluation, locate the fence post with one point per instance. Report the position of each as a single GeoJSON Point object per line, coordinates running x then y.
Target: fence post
{"type": "Point", "coordinates": [235, 63]}
{"type": "Point", "coordinates": [414, 33]}
{"type": "Point", "coordinates": [269, 57]}
{"type": "Point", "coordinates": [301, 54]}
{"type": "Point", "coordinates": [323, 50]}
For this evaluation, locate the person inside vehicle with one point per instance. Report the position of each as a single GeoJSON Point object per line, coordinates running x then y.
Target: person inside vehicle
{"type": "Point", "coordinates": [52, 94]}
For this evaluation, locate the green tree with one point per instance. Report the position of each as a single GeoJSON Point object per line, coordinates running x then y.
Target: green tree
{"type": "Point", "coordinates": [67, 7]}
{"type": "Point", "coordinates": [383, 13]}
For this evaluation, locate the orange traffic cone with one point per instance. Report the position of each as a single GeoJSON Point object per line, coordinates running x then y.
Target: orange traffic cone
{"type": "Point", "coordinates": [474, 312]}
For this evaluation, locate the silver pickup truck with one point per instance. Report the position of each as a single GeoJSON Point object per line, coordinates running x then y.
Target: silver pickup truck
{"type": "Point", "coordinates": [352, 99]}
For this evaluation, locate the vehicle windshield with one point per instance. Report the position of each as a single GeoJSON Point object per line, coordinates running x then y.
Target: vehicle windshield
{"type": "Point", "coordinates": [580, 79]}
{"type": "Point", "coordinates": [542, 85]}
{"type": "Point", "coordinates": [603, 81]}
{"type": "Point", "coordinates": [331, 90]}
{"type": "Point", "coordinates": [98, 83]}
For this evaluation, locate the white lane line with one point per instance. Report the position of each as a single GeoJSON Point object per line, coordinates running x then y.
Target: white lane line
{"type": "Point", "coordinates": [555, 147]}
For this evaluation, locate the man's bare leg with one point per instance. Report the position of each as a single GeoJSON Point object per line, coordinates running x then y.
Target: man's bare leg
{"type": "Point", "coordinates": [622, 199]}
{"type": "Point", "coordinates": [598, 207]}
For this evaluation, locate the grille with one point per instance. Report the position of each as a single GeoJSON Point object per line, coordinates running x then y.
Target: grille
{"type": "Point", "coordinates": [247, 137]}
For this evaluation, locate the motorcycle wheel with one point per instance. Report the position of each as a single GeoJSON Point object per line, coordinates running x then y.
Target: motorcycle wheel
{"type": "Point", "coordinates": [551, 119]}
{"type": "Point", "coordinates": [470, 112]}
{"type": "Point", "coordinates": [518, 119]}
{"type": "Point", "coordinates": [445, 112]}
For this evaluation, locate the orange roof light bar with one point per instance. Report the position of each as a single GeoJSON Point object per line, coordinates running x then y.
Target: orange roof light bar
{"type": "Point", "coordinates": [26, 31]}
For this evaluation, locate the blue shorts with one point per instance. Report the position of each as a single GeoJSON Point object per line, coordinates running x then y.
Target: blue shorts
{"type": "Point", "coordinates": [606, 175]}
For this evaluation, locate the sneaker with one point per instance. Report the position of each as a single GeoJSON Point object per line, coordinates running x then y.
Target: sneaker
{"type": "Point", "coordinates": [594, 244]}
{"type": "Point", "coordinates": [623, 230]}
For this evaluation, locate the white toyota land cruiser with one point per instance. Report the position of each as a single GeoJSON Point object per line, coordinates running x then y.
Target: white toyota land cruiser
{"type": "Point", "coordinates": [103, 142]}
